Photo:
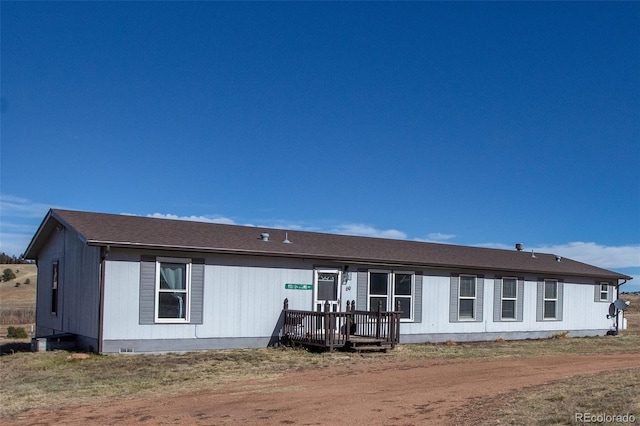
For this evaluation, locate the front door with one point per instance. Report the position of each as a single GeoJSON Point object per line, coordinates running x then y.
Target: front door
{"type": "Point", "coordinates": [327, 290]}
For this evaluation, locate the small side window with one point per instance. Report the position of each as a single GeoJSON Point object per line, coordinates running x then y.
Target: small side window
{"type": "Point", "coordinates": [54, 287]}
{"type": "Point", "coordinates": [604, 292]}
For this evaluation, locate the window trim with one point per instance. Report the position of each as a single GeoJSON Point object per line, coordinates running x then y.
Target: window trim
{"type": "Point", "coordinates": [546, 299]}
{"type": "Point", "coordinates": [187, 262]}
{"type": "Point", "coordinates": [514, 299]}
{"type": "Point", "coordinates": [474, 298]}
{"type": "Point", "coordinates": [391, 293]}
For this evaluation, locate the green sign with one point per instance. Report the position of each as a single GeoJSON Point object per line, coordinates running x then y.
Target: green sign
{"type": "Point", "coordinates": [298, 286]}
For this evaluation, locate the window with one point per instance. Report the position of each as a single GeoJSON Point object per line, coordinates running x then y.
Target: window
{"type": "Point", "coordinates": [467, 298]}
{"type": "Point", "coordinates": [172, 290]}
{"type": "Point", "coordinates": [378, 290]}
{"type": "Point", "coordinates": [388, 289]}
{"type": "Point", "coordinates": [550, 299]}
{"type": "Point", "coordinates": [550, 306]}
{"type": "Point", "coordinates": [403, 293]}
{"type": "Point", "coordinates": [604, 292]}
{"type": "Point", "coordinates": [509, 298]}
{"type": "Point", "coordinates": [54, 287]}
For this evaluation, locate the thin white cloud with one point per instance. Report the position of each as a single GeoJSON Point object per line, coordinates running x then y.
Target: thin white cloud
{"type": "Point", "coordinates": [20, 220]}
{"type": "Point", "coordinates": [209, 219]}
{"type": "Point", "coordinates": [439, 236]}
{"type": "Point", "coordinates": [12, 206]}
{"type": "Point", "coordinates": [14, 244]}
{"type": "Point", "coordinates": [367, 231]}
{"type": "Point", "coordinates": [626, 256]}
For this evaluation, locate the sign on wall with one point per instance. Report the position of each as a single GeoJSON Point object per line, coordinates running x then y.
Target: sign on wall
{"type": "Point", "coordinates": [290, 286]}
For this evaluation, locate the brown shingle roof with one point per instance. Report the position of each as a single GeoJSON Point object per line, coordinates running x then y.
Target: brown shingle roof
{"type": "Point", "coordinates": [135, 231]}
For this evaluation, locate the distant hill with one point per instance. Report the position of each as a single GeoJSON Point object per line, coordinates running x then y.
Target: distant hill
{"type": "Point", "coordinates": [23, 295]}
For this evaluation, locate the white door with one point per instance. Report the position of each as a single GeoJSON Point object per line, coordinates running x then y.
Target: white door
{"type": "Point", "coordinates": [327, 289]}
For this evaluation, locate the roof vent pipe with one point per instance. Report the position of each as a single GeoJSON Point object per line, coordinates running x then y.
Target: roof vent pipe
{"type": "Point", "coordinates": [286, 238]}
{"type": "Point", "coordinates": [519, 246]}
{"type": "Point", "coordinates": [264, 236]}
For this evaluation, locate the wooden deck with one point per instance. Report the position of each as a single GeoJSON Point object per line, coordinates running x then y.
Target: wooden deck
{"type": "Point", "coordinates": [352, 330]}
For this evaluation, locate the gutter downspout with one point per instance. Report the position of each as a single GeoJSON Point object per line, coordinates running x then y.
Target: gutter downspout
{"type": "Point", "coordinates": [618, 313]}
{"type": "Point", "coordinates": [104, 253]}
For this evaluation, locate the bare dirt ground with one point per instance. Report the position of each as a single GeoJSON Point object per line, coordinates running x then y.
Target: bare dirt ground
{"type": "Point", "coordinates": [400, 393]}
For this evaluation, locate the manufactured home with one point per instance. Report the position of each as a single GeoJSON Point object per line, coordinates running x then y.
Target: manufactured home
{"type": "Point", "coordinates": [119, 283]}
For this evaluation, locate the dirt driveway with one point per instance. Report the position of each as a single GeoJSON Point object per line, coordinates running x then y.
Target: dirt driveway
{"type": "Point", "coordinates": [401, 393]}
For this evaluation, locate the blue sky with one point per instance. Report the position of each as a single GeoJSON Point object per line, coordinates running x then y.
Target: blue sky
{"type": "Point", "coordinates": [467, 123]}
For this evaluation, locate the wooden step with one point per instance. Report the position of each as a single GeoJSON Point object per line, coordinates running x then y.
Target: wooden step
{"type": "Point", "coordinates": [376, 348]}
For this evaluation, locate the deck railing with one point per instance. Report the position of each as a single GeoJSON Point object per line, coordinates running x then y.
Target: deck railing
{"type": "Point", "coordinates": [333, 330]}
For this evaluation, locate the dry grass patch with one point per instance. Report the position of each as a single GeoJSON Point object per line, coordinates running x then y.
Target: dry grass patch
{"type": "Point", "coordinates": [605, 394]}
{"type": "Point", "coordinates": [50, 379]}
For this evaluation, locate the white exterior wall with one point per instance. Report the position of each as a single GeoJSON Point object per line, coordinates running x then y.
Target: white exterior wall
{"type": "Point", "coordinates": [580, 312]}
{"type": "Point", "coordinates": [243, 299]}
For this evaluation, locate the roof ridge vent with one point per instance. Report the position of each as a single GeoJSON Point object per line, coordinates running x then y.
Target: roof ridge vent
{"type": "Point", "coordinates": [264, 236]}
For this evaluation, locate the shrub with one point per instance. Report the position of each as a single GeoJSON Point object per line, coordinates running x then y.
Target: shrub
{"type": "Point", "coordinates": [16, 333]}
{"type": "Point", "coordinates": [561, 335]}
{"type": "Point", "coordinates": [8, 275]}
{"type": "Point", "coordinates": [27, 281]}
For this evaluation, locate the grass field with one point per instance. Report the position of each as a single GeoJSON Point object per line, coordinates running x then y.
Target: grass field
{"type": "Point", "coordinates": [18, 299]}
{"type": "Point", "coordinates": [56, 379]}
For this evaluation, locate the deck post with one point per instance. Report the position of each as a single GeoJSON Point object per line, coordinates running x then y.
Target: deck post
{"type": "Point", "coordinates": [394, 324]}
{"type": "Point", "coordinates": [327, 326]}
{"type": "Point", "coordinates": [348, 319]}
{"type": "Point", "coordinates": [286, 326]}
{"type": "Point", "coordinates": [379, 321]}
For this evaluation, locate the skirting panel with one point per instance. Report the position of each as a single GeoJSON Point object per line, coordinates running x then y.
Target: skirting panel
{"type": "Point", "coordinates": [189, 345]}
{"type": "Point", "coordinates": [484, 337]}
{"type": "Point", "coordinates": [185, 345]}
